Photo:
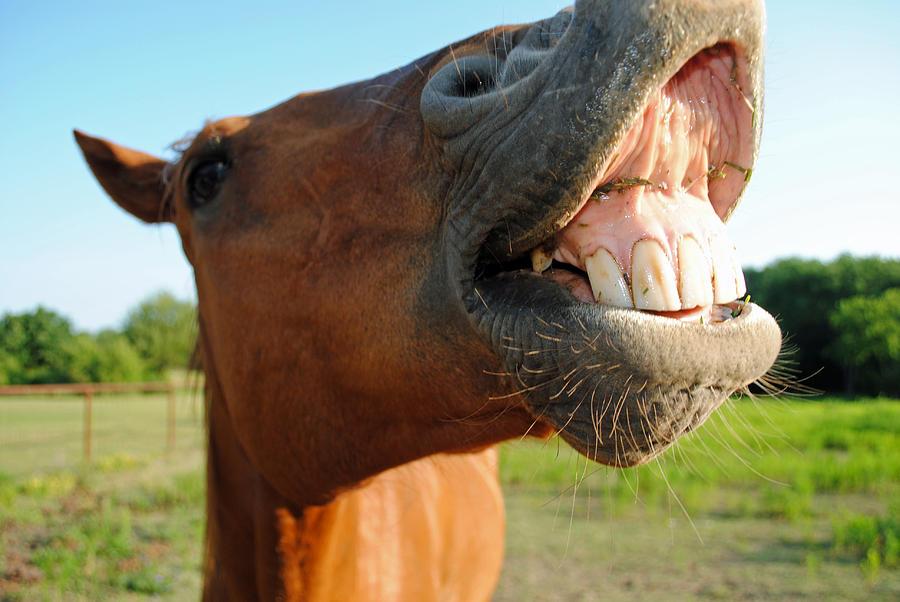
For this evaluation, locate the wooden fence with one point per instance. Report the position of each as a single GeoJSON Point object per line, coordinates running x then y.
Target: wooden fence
{"type": "Point", "coordinates": [88, 390]}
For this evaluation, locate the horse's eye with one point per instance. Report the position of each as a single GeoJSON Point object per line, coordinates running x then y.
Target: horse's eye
{"type": "Point", "coordinates": [205, 181]}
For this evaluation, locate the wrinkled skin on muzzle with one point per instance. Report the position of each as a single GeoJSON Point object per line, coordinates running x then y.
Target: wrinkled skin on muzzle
{"type": "Point", "coordinates": [359, 252]}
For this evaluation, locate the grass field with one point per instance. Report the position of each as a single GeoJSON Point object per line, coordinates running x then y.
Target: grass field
{"type": "Point", "coordinates": [773, 501]}
{"type": "Point", "coordinates": [770, 500]}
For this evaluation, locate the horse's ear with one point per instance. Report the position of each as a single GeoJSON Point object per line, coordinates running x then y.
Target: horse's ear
{"type": "Point", "coordinates": [133, 179]}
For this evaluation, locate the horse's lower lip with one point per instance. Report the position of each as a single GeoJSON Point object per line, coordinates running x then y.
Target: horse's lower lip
{"type": "Point", "coordinates": [737, 349]}
{"type": "Point", "coordinates": [570, 359]}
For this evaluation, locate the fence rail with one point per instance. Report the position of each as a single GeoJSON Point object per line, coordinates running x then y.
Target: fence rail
{"type": "Point", "coordinates": [88, 390]}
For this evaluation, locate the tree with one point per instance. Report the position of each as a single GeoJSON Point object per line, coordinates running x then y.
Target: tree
{"type": "Point", "coordinates": [865, 275]}
{"type": "Point", "coordinates": [42, 347]}
{"type": "Point", "coordinates": [162, 330]}
{"type": "Point", "coordinates": [107, 357]}
{"type": "Point", "coordinates": [9, 367]}
{"type": "Point", "coordinates": [867, 343]}
{"type": "Point", "coordinates": [35, 347]}
{"type": "Point", "coordinates": [81, 353]}
{"type": "Point", "coordinates": [117, 359]}
{"type": "Point", "coordinates": [802, 294]}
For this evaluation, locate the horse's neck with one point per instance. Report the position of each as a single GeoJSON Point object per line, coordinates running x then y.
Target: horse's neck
{"type": "Point", "coordinates": [241, 559]}
{"type": "Point", "coordinates": [427, 530]}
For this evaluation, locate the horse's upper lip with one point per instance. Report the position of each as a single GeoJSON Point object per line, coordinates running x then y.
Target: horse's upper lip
{"type": "Point", "coordinates": [649, 231]}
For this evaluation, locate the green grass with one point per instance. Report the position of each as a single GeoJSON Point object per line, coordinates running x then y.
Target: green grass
{"type": "Point", "coordinates": [43, 434]}
{"type": "Point", "coordinates": [785, 450]}
{"type": "Point", "coordinates": [125, 527]}
{"type": "Point", "coordinates": [769, 500]}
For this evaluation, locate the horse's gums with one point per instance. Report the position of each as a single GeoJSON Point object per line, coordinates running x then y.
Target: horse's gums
{"type": "Point", "coordinates": [362, 357]}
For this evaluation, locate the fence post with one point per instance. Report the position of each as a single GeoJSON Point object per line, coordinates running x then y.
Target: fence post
{"type": "Point", "coordinates": [170, 422]}
{"type": "Point", "coordinates": [88, 399]}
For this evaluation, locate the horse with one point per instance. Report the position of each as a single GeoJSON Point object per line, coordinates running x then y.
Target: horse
{"type": "Point", "coordinates": [521, 234]}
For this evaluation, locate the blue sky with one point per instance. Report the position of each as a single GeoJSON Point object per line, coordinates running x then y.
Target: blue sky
{"type": "Point", "coordinates": [146, 73]}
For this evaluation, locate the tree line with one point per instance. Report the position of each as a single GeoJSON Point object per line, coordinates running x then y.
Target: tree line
{"type": "Point", "coordinates": [41, 346]}
{"type": "Point", "coordinates": [841, 321]}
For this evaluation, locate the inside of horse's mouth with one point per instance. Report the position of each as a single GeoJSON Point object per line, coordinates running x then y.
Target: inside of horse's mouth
{"type": "Point", "coordinates": [651, 234]}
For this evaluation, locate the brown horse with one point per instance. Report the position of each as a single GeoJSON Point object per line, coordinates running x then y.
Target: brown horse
{"type": "Point", "coordinates": [519, 234]}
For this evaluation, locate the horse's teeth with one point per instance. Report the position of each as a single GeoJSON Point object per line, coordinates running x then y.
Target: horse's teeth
{"type": "Point", "coordinates": [607, 280]}
{"type": "Point", "coordinates": [540, 259]}
{"type": "Point", "coordinates": [652, 278]}
{"type": "Point", "coordinates": [695, 282]}
{"type": "Point", "coordinates": [703, 276]}
{"type": "Point", "coordinates": [739, 277]}
{"type": "Point", "coordinates": [725, 270]}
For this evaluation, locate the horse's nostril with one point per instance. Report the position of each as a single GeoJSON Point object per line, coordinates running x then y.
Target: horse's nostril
{"type": "Point", "coordinates": [458, 95]}
{"type": "Point", "coordinates": [473, 83]}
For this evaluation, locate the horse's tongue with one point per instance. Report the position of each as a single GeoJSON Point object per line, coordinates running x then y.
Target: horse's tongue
{"type": "Point", "coordinates": [652, 249]}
